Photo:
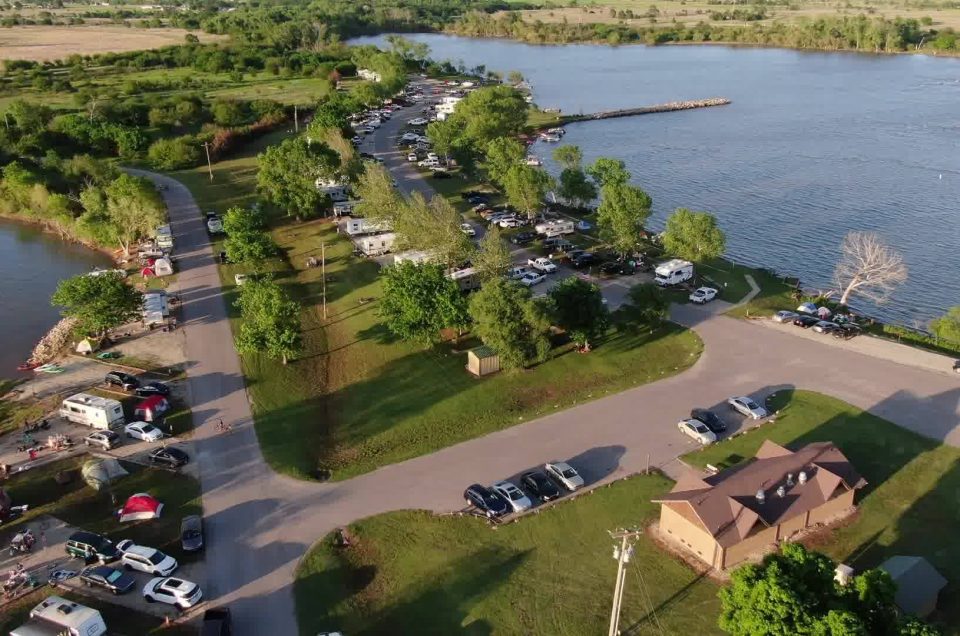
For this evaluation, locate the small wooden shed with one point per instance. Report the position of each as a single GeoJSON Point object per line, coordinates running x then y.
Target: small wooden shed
{"type": "Point", "coordinates": [482, 361]}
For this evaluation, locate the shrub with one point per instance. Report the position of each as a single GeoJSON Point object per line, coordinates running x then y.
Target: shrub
{"type": "Point", "coordinates": [173, 154]}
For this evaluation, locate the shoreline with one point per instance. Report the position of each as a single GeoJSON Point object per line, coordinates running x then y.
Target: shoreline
{"type": "Point", "coordinates": [68, 239]}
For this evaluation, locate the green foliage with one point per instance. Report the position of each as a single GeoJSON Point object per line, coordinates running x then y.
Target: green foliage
{"type": "Point", "coordinates": [579, 309]}
{"type": "Point", "coordinates": [525, 187]}
{"type": "Point", "coordinates": [694, 235]}
{"type": "Point", "coordinates": [606, 171]}
{"type": "Point", "coordinates": [493, 258]}
{"type": "Point", "coordinates": [228, 112]}
{"type": "Point", "coordinates": [419, 300]}
{"type": "Point", "coordinates": [507, 318]}
{"type": "Point", "coordinates": [134, 208]}
{"type": "Point", "coordinates": [247, 239]}
{"type": "Point", "coordinates": [482, 116]}
{"type": "Point", "coordinates": [270, 321]}
{"type": "Point", "coordinates": [432, 227]}
{"type": "Point", "coordinates": [378, 199]}
{"type": "Point", "coordinates": [98, 303]}
{"type": "Point", "coordinates": [569, 157]}
{"type": "Point", "coordinates": [502, 155]}
{"type": "Point", "coordinates": [288, 173]}
{"type": "Point", "coordinates": [175, 153]}
{"type": "Point", "coordinates": [576, 188]}
{"type": "Point", "coordinates": [622, 212]}
{"type": "Point", "coordinates": [947, 326]}
{"type": "Point", "coordinates": [648, 303]}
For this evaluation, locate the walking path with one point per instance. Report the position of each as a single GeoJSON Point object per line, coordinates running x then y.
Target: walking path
{"type": "Point", "coordinates": [260, 524]}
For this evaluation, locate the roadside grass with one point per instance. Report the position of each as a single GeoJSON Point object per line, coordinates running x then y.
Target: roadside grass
{"type": "Point", "coordinates": [81, 506]}
{"type": "Point", "coordinates": [776, 293]}
{"type": "Point", "coordinates": [15, 413]}
{"type": "Point", "coordinates": [549, 573]}
{"type": "Point", "coordinates": [910, 505]}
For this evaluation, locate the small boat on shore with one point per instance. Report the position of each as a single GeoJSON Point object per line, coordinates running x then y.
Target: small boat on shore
{"type": "Point", "coordinates": [534, 161]}
{"type": "Point", "coordinates": [28, 366]}
{"type": "Point", "coordinates": [549, 137]}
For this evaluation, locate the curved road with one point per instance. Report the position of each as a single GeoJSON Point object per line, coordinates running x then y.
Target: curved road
{"type": "Point", "coordinates": [260, 524]}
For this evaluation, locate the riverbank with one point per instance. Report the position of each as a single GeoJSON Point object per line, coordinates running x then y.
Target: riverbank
{"type": "Point", "coordinates": [67, 237]}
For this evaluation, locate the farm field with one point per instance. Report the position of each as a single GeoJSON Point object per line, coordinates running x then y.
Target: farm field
{"type": "Point", "coordinates": [42, 43]}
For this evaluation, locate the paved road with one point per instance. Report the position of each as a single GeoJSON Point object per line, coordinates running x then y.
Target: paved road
{"type": "Point", "coordinates": [260, 524]}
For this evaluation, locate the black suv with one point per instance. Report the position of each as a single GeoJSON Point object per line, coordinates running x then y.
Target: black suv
{"type": "Point", "coordinates": [123, 380]}
{"type": "Point", "coordinates": [91, 547]}
{"type": "Point", "coordinates": [710, 419]}
{"type": "Point", "coordinates": [487, 501]}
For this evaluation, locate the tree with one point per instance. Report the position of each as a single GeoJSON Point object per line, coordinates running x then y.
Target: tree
{"type": "Point", "coordinates": [432, 227]}
{"type": "Point", "coordinates": [694, 236]}
{"type": "Point", "coordinates": [378, 198]}
{"type": "Point", "coordinates": [288, 174]}
{"type": "Point", "coordinates": [481, 117]}
{"type": "Point", "coordinates": [947, 327]}
{"type": "Point", "coordinates": [623, 211]}
{"type": "Point", "coordinates": [579, 309]}
{"type": "Point", "coordinates": [575, 188]}
{"type": "Point", "coordinates": [98, 303]}
{"type": "Point", "coordinates": [247, 239]}
{"type": "Point", "coordinates": [419, 300]}
{"type": "Point", "coordinates": [569, 157]}
{"type": "Point", "coordinates": [134, 208]}
{"type": "Point", "coordinates": [270, 321]}
{"type": "Point", "coordinates": [507, 318]}
{"type": "Point", "coordinates": [868, 267]}
{"type": "Point", "coordinates": [503, 154]}
{"type": "Point", "coordinates": [515, 77]}
{"type": "Point", "coordinates": [173, 154]}
{"type": "Point", "coordinates": [526, 187]}
{"type": "Point", "coordinates": [493, 257]}
{"type": "Point", "coordinates": [606, 171]}
{"type": "Point", "coordinates": [648, 303]}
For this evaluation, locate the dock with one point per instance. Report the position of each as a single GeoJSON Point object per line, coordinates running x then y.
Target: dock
{"type": "Point", "coordinates": [646, 110]}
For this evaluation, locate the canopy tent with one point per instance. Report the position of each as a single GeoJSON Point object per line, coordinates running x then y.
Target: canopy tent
{"type": "Point", "coordinates": [140, 506]}
{"type": "Point", "coordinates": [88, 345]}
{"type": "Point", "coordinates": [100, 472]}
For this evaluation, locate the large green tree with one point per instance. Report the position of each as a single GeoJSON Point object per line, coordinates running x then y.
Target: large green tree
{"type": "Point", "coordinates": [947, 326]}
{"type": "Point", "coordinates": [576, 189]}
{"type": "Point", "coordinates": [269, 321]}
{"type": "Point", "coordinates": [507, 318]}
{"type": "Point", "coordinates": [694, 235]}
{"type": "Point", "coordinates": [580, 310]}
{"type": "Point", "coordinates": [607, 171]}
{"type": "Point", "coordinates": [569, 157]}
{"type": "Point", "coordinates": [419, 300]}
{"type": "Point", "coordinates": [622, 212]}
{"type": "Point", "coordinates": [503, 154]}
{"type": "Point", "coordinates": [648, 303]}
{"type": "Point", "coordinates": [288, 172]}
{"type": "Point", "coordinates": [482, 116]}
{"type": "Point", "coordinates": [526, 187]}
{"type": "Point", "coordinates": [493, 258]}
{"type": "Point", "coordinates": [134, 207]}
{"type": "Point", "coordinates": [378, 198]}
{"type": "Point", "coordinates": [247, 238]}
{"type": "Point", "coordinates": [98, 303]}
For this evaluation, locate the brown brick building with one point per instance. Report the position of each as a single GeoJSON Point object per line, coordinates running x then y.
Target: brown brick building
{"type": "Point", "coordinates": [725, 518]}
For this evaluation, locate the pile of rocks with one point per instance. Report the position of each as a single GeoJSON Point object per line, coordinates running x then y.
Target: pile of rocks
{"type": "Point", "coordinates": [54, 342]}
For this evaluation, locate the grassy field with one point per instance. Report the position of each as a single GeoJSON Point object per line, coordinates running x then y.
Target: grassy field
{"type": "Point", "coordinates": [15, 413]}
{"type": "Point", "coordinates": [548, 574]}
{"type": "Point", "coordinates": [43, 43]}
{"type": "Point", "coordinates": [910, 505]}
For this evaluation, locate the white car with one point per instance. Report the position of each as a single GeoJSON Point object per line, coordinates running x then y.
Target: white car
{"type": "Point", "coordinates": [144, 559]}
{"type": "Point", "coordinates": [510, 221]}
{"type": "Point", "coordinates": [514, 496]}
{"type": "Point", "coordinates": [467, 229]}
{"type": "Point", "coordinates": [542, 264]}
{"type": "Point", "coordinates": [434, 156]}
{"type": "Point", "coordinates": [419, 121]}
{"type": "Point", "coordinates": [703, 295]}
{"type": "Point", "coordinates": [412, 157]}
{"type": "Point", "coordinates": [363, 130]}
{"type": "Point", "coordinates": [531, 278]}
{"type": "Point", "coordinates": [214, 225]}
{"type": "Point", "coordinates": [356, 141]}
{"type": "Point", "coordinates": [143, 431]}
{"type": "Point", "coordinates": [565, 474]}
{"type": "Point", "coordinates": [785, 316]}
{"type": "Point", "coordinates": [409, 137]}
{"type": "Point", "coordinates": [746, 406]}
{"type": "Point", "coordinates": [240, 279]}
{"type": "Point", "coordinates": [697, 430]}
{"type": "Point", "coordinates": [173, 591]}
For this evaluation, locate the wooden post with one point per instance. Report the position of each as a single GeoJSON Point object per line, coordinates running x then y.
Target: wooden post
{"type": "Point", "coordinates": [323, 275]}
{"type": "Point", "coordinates": [206, 146]}
{"type": "Point", "coordinates": [296, 119]}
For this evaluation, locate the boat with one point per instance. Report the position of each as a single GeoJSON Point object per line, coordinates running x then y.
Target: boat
{"type": "Point", "coordinates": [557, 131]}
{"type": "Point", "coordinates": [549, 137]}
{"type": "Point", "coordinates": [28, 366]}
{"type": "Point", "coordinates": [534, 161]}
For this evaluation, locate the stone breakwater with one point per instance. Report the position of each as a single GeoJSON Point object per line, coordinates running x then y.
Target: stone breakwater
{"type": "Point", "coordinates": [645, 110]}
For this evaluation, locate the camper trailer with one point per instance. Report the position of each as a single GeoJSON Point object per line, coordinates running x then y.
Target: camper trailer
{"type": "Point", "coordinates": [376, 245]}
{"type": "Point", "coordinates": [466, 279]}
{"type": "Point", "coordinates": [155, 309]}
{"type": "Point", "coordinates": [344, 208]}
{"type": "Point", "coordinates": [416, 257]}
{"type": "Point", "coordinates": [673, 272]}
{"type": "Point", "coordinates": [358, 227]}
{"type": "Point", "coordinates": [93, 411]}
{"type": "Point", "coordinates": [552, 229]}
{"type": "Point", "coordinates": [164, 238]}
{"type": "Point", "coordinates": [56, 616]}
{"type": "Point", "coordinates": [335, 190]}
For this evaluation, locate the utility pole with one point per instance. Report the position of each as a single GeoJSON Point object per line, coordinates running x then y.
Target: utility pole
{"type": "Point", "coordinates": [323, 276]}
{"type": "Point", "coordinates": [622, 553]}
{"type": "Point", "coordinates": [296, 120]}
{"type": "Point", "coordinates": [206, 146]}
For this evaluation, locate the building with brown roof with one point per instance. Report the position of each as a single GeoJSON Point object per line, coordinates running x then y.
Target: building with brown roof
{"type": "Point", "coordinates": [725, 518]}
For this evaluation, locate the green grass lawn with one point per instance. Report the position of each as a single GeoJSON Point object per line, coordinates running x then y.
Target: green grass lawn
{"type": "Point", "coordinates": [910, 505]}
{"type": "Point", "coordinates": [550, 573]}
{"type": "Point", "coordinates": [15, 413]}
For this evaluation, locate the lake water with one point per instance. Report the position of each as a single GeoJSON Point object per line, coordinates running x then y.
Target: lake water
{"type": "Point", "coordinates": [31, 265]}
{"type": "Point", "coordinates": [813, 145]}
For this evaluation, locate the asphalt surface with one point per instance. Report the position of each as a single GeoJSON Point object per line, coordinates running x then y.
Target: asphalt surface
{"type": "Point", "coordinates": [260, 524]}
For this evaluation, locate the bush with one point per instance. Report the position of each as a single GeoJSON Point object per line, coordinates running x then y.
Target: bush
{"type": "Point", "coordinates": [173, 154]}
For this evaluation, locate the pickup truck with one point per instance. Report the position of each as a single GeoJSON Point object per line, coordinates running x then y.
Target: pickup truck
{"type": "Point", "coordinates": [542, 264]}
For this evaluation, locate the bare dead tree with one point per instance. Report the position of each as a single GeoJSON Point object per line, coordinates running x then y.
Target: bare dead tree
{"type": "Point", "coordinates": [868, 267]}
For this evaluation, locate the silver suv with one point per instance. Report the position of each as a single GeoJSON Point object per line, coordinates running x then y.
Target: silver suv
{"type": "Point", "coordinates": [104, 439]}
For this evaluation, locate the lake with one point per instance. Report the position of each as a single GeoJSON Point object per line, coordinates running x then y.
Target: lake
{"type": "Point", "coordinates": [32, 263]}
{"type": "Point", "coordinates": [814, 145]}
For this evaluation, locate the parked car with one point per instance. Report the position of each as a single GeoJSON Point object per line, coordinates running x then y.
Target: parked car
{"type": "Point", "coordinates": [697, 430]}
{"type": "Point", "coordinates": [467, 229]}
{"type": "Point", "coordinates": [509, 222]}
{"type": "Point", "coordinates": [418, 121]}
{"type": "Point", "coordinates": [117, 581]}
{"type": "Point", "coordinates": [217, 622]}
{"type": "Point", "coordinates": [104, 439]}
{"type": "Point", "coordinates": [123, 380]}
{"type": "Point", "coordinates": [805, 321]}
{"type": "Point", "coordinates": [847, 331]}
{"type": "Point", "coordinates": [785, 316]}
{"type": "Point", "coordinates": [564, 474]}
{"type": "Point", "coordinates": [518, 272]}
{"type": "Point", "coordinates": [191, 533]}
{"type": "Point", "coordinates": [178, 592]}
{"type": "Point", "coordinates": [143, 431]}
{"type": "Point", "coordinates": [240, 279]}
{"type": "Point", "coordinates": [514, 496]}
{"type": "Point", "coordinates": [144, 559]}
{"type": "Point", "coordinates": [711, 419]}
{"type": "Point", "coordinates": [703, 295]}
{"type": "Point", "coordinates": [539, 485]}
{"type": "Point", "coordinates": [532, 278]}
{"type": "Point", "coordinates": [746, 406]}
{"type": "Point", "coordinates": [523, 238]}
{"type": "Point", "coordinates": [411, 157]}
{"type": "Point", "coordinates": [542, 264]}
{"type": "Point", "coordinates": [583, 226]}
{"type": "Point", "coordinates": [486, 501]}
{"type": "Point", "coordinates": [825, 326]}
{"type": "Point", "coordinates": [169, 456]}
{"type": "Point", "coordinates": [152, 388]}
{"type": "Point", "coordinates": [618, 267]}
{"type": "Point", "coordinates": [584, 259]}
{"type": "Point", "coordinates": [90, 547]}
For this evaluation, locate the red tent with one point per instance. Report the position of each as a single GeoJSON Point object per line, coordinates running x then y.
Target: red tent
{"type": "Point", "coordinates": [147, 272]}
{"type": "Point", "coordinates": [150, 409]}
{"type": "Point", "coordinates": [140, 506]}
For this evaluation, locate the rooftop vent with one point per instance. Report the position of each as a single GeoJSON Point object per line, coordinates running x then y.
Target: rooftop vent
{"type": "Point", "coordinates": [65, 609]}
{"type": "Point", "coordinates": [789, 479]}
{"type": "Point", "coordinates": [781, 491]}
{"type": "Point", "coordinates": [761, 496]}
{"type": "Point", "coordinates": [802, 477]}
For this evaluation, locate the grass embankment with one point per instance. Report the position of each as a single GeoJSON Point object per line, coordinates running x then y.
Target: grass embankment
{"type": "Point", "coordinates": [910, 505]}
{"type": "Point", "coordinates": [548, 574]}
{"type": "Point", "coordinates": [15, 413]}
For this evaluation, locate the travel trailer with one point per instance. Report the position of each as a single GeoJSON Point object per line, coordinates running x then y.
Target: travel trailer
{"type": "Point", "coordinates": [93, 411]}
{"type": "Point", "coordinates": [358, 227]}
{"type": "Point", "coordinates": [376, 245]}
{"type": "Point", "coordinates": [552, 229]}
{"type": "Point", "coordinates": [673, 272]}
{"type": "Point", "coordinates": [58, 616]}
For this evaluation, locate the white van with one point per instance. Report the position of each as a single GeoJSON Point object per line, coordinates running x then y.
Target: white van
{"type": "Point", "coordinates": [92, 410]}
{"type": "Point", "coordinates": [57, 615]}
{"type": "Point", "coordinates": [673, 272]}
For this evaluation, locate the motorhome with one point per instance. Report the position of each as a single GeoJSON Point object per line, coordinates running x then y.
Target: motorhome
{"type": "Point", "coordinates": [673, 272]}
{"type": "Point", "coordinates": [56, 616]}
{"type": "Point", "coordinates": [92, 410]}
{"type": "Point", "coordinates": [359, 227]}
{"type": "Point", "coordinates": [552, 229]}
{"type": "Point", "coordinates": [376, 245]}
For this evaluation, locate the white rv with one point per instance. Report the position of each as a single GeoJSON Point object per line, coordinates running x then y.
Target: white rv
{"type": "Point", "coordinates": [58, 616]}
{"type": "Point", "coordinates": [93, 411]}
{"type": "Point", "coordinates": [673, 272]}
{"type": "Point", "coordinates": [552, 229]}
{"type": "Point", "coordinates": [376, 245]}
{"type": "Point", "coordinates": [357, 227]}
{"type": "Point", "coordinates": [155, 308]}
{"type": "Point", "coordinates": [416, 257]}
{"type": "Point", "coordinates": [334, 189]}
